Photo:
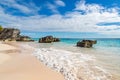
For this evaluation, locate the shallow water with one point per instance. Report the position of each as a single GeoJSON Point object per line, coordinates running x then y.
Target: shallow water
{"type": "Point", "coordinates": [74, 66]}
{"type": "Point", "coordinates": [108, 58]}
{"type": "Point", "coordinates": [106, 53]}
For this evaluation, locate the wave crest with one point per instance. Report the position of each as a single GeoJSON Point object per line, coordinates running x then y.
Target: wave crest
{"type": "Point", "coordinates": [74, 66]}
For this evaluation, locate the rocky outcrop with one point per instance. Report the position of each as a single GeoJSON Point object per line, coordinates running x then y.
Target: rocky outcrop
{"type": "Point", "coordinates": [12, 34]}
{"type": "Point", "coordinates": [48, 39]}
{"type": "Point", "coordinates": [24, 38]}
{"type": "Point", "coordinates": [86, 43]}
{"type": "Point", "coordinates": [9, 34]}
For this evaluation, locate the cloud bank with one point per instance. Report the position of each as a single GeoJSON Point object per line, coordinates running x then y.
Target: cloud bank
{"type": "Point", "coordinates": [83, 18]}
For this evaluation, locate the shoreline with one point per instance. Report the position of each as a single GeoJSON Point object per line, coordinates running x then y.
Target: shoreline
{"type": "Point", "coordinates": [54, 59]}
{"type": "Point", "coordinates": [22, 65]}
{"type": "Point", "coordinates": [72, 66]}
{"type": "Point", "coordinates": [104, 56]}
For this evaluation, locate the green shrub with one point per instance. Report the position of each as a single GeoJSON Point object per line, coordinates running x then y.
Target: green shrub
{"type": "Point", "coordinates": [1, 28]}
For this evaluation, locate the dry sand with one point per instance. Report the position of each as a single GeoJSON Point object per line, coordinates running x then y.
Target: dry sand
{"type": "Point", "coordinates": [24, 67]}
{"type": "Point", "coordinates": [4, 47]}
{"type": "Point", "coordinates": [4, 57]}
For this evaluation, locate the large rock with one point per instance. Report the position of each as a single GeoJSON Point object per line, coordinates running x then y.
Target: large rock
{"type": "Point", "coordinates": [12, 34]}
{"type": "Point", "coordinates": [86, 43]}
{"type": "Point", "coordinates": [9, 34]}
{"type": "Point", "coordinates": [48, 39]}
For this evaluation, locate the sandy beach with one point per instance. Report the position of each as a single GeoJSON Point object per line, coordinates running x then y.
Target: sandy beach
{"type": "Point", "coordinates": [21, 65]}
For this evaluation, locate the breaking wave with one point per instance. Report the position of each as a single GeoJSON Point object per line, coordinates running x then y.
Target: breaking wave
{"type": "Point", "coordinates": [74, 66]}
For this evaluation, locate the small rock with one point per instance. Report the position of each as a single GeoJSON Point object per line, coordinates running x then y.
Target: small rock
{"type": "Point", "coordinates": [86, 43]}
{"type": "Point", "coordinates": [48, 39]}
{"type": "Point", "coordinates": [24, 38]}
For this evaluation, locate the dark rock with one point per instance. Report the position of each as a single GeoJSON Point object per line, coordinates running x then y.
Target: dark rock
{"type": "Point", "coordinates": [24, 38]}
{"type": "Point", "coordinates": [48, 39]}
{"type": "Point", "coordinates": [56, 39]}
{"type": "Point", "coordinates": [9, 34]}
{"type": "Point", "coordinates": [86, 43]}
{"type": "Point", "coordinates": [12, 34]}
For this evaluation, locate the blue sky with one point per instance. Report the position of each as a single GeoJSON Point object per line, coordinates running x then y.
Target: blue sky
{"type": "Point", "coordinates": [84, 18]}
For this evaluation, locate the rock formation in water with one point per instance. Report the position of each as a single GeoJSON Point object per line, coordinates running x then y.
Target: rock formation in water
{"type": "Point", "coordinates": [48, 39]}
{"type": "Point", "coordinates": [86, 43]}
{"type": "Point", "coordinates": [24, 38]}
{"type": "Point", "coordinates": [12, 34]}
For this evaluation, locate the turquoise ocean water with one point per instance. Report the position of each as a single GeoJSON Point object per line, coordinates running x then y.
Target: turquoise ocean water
{"type": "Point", "coordinates": [101, 42]}
{"type": "Point", "coordinates": [106, 51]}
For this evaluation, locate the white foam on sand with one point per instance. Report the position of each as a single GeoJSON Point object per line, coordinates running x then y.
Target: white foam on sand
{"type": "Point", "coordinates": [74, 66]}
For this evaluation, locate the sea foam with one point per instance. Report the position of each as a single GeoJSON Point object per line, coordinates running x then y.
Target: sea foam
{"type": "Point", "coordinates": [74, 66]}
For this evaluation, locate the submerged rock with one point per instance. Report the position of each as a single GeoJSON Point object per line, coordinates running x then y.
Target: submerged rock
{"type": "Point", "coordinates": [86, 43]}
{"type": "Point", "coordinates": [48, 39]}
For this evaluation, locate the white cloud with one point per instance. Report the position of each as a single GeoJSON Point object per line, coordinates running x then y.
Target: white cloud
{"type": "Point", "coordinates": [72, 21]}
{"type": "Point", "coordinates": [97, 13]}
{"type": "Point", "coordinates": [88, 8]}
{"type": "Point", "coordinates": [52, 7]}
{"type": "Point", "coordinates": [59, 3]}
{"type": "Point", "coordinates": [23, 8]}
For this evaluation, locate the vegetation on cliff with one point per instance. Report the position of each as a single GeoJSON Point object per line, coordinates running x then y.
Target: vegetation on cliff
{"type": "Point", "coordinates": [1, 28]}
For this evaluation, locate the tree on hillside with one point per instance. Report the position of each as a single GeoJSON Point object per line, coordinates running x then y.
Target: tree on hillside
{"type": "Point", "coordinates": [1, 27]}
